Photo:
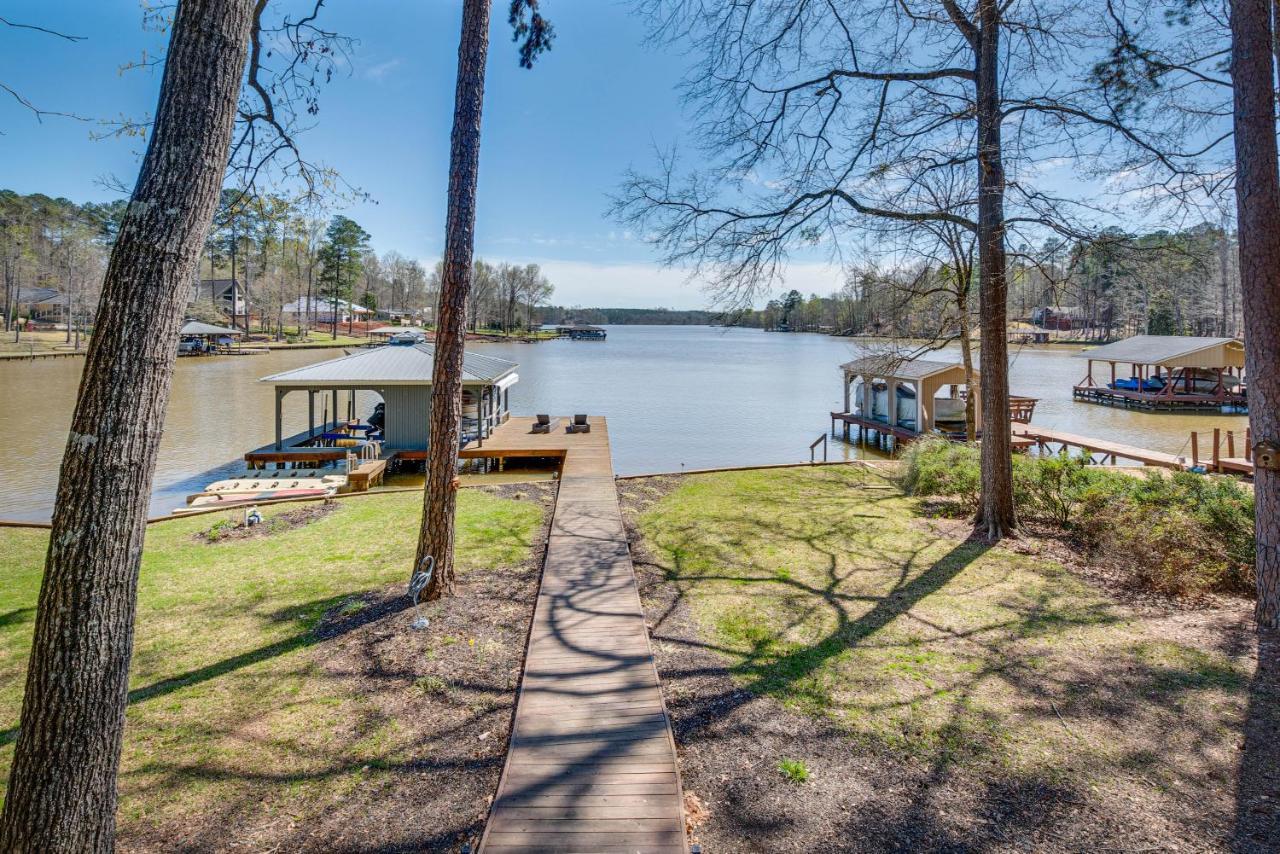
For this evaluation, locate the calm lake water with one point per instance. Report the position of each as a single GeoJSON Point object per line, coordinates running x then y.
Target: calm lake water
{"type": "Point", "coordinates": [675, 396]}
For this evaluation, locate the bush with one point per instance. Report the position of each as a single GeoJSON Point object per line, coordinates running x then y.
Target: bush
{"type": "Point", "coordinates": [941, 468]}
{"type": "Point", "coordinates": [1181, 533]}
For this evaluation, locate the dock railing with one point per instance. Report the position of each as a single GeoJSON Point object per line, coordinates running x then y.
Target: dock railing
{"type": "Point", "coordinates": [821, 440]}
{"type": "Point", "coordinates": [1221, 441]}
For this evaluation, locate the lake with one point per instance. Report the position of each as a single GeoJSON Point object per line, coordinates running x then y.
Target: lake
{"type": "Point", "coordinates": [677, 397]}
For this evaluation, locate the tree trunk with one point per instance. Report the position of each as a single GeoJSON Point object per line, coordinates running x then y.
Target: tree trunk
{"type": "Point", "coordinates": [62, 786]}
{"type": "Point", "coordinates": [1258, 211]}
{"type": "Point", "coordinates": [440, 495]}
{"type": "Point", "coordinates": [995, 513]}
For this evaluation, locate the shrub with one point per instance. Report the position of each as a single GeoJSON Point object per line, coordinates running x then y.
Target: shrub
{"type": "Point", "coordinates": [935, 466]}
{"type": "Point", "coordinates": [1181, 533]}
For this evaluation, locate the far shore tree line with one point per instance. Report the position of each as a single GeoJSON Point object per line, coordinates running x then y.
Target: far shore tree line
{"type": "Point", "coordinates": [1113, 286]}
{"type": "Point", "coordinates": [284, 253]}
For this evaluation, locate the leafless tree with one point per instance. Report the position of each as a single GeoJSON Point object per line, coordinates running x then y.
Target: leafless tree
{"type": "Point", "coordinates": [819, 119]}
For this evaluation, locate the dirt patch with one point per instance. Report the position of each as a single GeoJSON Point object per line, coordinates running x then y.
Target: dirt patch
{"type": "Point", "coordinates": [861, 796]}
{"type": "Point", "coordinates": [435, 704]}
{"type": "Point", "coordinates": [235, 528]}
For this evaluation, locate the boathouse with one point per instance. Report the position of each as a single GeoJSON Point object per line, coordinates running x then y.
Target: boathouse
{"type": "Point", "coordinates": [899, 397]}
{"type": "Point", "coordinates": [1166, 372]}
{"type": "Point", "coordinates": [401, 376]}
{"type": "Point", "coordinates": [196, 338]}
{"type": "Point", "coordinates": [582, 332]}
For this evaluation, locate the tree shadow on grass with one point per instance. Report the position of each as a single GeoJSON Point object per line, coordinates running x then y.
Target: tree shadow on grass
{"type": "Point", "coordinates": [960, 768]}
{"type": "Point", "coordinates": [1257, 820]}
{"type": "Point", "coordinates": [326, 630]}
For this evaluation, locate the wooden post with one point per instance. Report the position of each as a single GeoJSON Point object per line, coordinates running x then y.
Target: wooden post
{"type": "Point", "coordinates": [1231, 444]}
{"type": "Point", "coordinates": [280, 393]}
{"type": "Point", "coordinates": [1248, 444]}
{"type": "Point", "coordinates": [1216, 456]}
{"type": "Point", "coordinates": [1195, 449]}
{"type": "Point", "coordinates": [311, 413]}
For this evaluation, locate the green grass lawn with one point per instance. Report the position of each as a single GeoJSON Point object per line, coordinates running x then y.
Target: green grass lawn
{"type": "Point", "coordinates": [826, 589]}
{"type": "Point", "coordinates": [223, 676]}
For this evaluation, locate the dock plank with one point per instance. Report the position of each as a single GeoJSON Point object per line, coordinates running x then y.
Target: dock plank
{"type": "Point", "coordinates": [591, 765]}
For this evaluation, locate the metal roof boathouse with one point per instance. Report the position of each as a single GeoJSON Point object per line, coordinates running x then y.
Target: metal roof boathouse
{"type": "Point", "coordinates": [401, 376]}
{"type": "Point", "coordinates": [1168, 372]}
{"type": "Point", "coordinates": [890, 396]}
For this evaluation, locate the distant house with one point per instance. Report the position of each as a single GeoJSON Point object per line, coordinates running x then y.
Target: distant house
{"type": "Point", "coordinates": [227, 295]}
{"type": "Point", "coordinates": [401, 315]}
{"type": "Point", "coordinates": [321, 310]}
{"type": "Point", "coordinates": [43, 305]}
{"type": "Point", "coordinates": [1064, 318]}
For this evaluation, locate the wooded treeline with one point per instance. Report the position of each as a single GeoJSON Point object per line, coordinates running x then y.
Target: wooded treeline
{"type": "Point", "coordinates": [286, 255]}
{"type": "Point", "coordinates": [1158, 283]}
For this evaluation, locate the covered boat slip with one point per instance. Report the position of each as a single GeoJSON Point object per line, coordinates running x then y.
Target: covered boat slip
{"type": "Point", "coordinates": [1167, 372]}
{"type": "Point", "coordinates": [401, 376]}
{"type": "Point", "coordinates": [902, 393]}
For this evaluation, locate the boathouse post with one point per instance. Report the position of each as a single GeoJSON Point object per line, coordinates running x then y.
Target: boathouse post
{"type": "Point", "coordinates": [280, 393]}
{"type": "Point", "coordinates": [893, 402]}
{"type": "Point", "coordinates": [311, 413]}
{"type": "Point", "coordinates": [336, 416]}
{"type": "Point", "coordinates": [846, 390]}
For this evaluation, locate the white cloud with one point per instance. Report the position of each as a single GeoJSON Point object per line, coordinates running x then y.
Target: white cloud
{"type": "Point", "coordinates": [378, 72]}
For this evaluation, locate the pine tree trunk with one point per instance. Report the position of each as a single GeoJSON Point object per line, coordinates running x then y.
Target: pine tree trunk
{"type": "Point", "coordinates": [995, 513]}
{"type": "Point", "coordinates": [62, 786]}
{"type": "Point", "coordinates": [1258, 210]}
{"type": "Point", "coordinates": [440, 494]}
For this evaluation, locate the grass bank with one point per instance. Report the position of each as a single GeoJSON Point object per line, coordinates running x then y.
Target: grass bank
{"type": "Point", "coordinates": [278, 696]}
{"type": "Point", "coordinates": [845, 672]}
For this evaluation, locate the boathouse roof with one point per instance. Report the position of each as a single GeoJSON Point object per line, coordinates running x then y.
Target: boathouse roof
{"type": "Point", "coordinates": [383, 366]}
{"type": "Point", "coordinates": [900, 368]}
{"type": "Point", "coordinates": [1174, 351]}
{"type": "Point", "coordinates": [195, 327]}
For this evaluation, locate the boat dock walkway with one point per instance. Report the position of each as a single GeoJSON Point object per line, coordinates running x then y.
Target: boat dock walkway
{"type": "Point", "coordinates": [1113, 451]}
{"type": "Point", "coordinates": [591, 765]}
{"type": "Point", "coordinates": [1045, 436]}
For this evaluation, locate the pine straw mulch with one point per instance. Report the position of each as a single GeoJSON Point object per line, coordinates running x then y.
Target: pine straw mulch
{"type": "Point", "coordinates": [448, 693]}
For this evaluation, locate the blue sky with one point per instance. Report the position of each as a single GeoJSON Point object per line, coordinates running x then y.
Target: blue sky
{"type": "Point", "coordinates": [556, 139]}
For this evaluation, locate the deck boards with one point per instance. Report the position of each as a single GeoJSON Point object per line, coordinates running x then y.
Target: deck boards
{"type": "Point", "coordinates": [591, 765]}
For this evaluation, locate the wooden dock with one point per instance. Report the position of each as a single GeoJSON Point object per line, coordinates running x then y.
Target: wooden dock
{"type": "Point", "coordinates": [591, 765]}
{"type": "Point", "coordinates": [1109, 451]}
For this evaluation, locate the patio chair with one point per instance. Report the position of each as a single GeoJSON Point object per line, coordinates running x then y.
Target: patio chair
{"type": "Point", "coordinates": [579, 425]}
{"type": "Point", "coordinates": [544, 424]}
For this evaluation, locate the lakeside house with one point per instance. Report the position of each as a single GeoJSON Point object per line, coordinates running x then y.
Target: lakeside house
{"type": "Point", "coordinates": [1167, 372]}
{"type": "Point", "coordinates": [43, 305]}
{"type": "Point", "coordinates": [401, 376]}
{"type": "Point", "coordinates": [321, 310]}
{"type": "Point", "coordinates": [226, 295]}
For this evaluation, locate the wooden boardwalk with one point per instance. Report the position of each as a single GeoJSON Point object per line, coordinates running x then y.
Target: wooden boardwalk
{"type": "Point", "coordinates": [591, 765]}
